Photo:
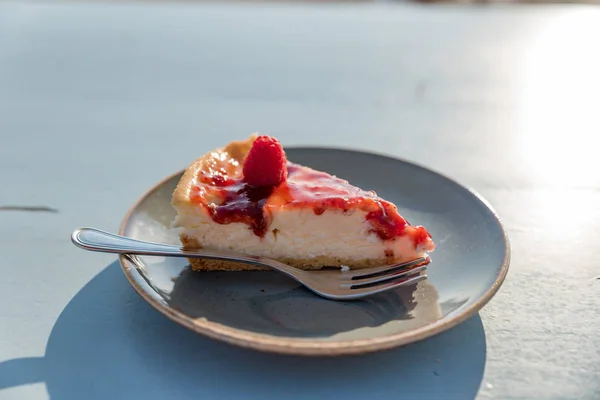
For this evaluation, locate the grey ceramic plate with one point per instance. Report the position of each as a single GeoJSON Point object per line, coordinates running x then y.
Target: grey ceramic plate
{"type": "Point", "coordinates": [268, 311]}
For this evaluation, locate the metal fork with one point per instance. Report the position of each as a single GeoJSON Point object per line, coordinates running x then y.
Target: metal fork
{"type": "Point", "coordinates": [331, 284]}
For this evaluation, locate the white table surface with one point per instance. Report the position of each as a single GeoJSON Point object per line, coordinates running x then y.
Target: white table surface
{"type": "Point", "coordinates": [99, 101]}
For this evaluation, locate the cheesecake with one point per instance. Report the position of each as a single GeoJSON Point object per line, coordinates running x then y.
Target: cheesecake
{"type": "Point", "coordinates": [246, 197]}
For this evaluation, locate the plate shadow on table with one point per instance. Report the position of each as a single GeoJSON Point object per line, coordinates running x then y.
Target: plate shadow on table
{"type": "Point", "coordinates": [109, 343]}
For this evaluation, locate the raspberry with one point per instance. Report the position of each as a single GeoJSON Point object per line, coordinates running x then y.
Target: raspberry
{"type": "Point", "coordinates": [265, 164]}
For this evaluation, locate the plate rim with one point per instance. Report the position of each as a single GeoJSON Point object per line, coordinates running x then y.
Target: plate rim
{"type": "Point", "coordinates": [308, 347]}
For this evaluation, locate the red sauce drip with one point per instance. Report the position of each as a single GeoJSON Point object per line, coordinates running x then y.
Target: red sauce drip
{"type": "Point", "coordinates": [319, 210]}
{"type": "Point", "coordinates": [386, 222]}
{"type": "Point", "coordinates": [244, 203]}
{"type": "Point", "coordinates": [421, 235]}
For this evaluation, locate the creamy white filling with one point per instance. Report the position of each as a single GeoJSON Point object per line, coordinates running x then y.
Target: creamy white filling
{"type": "Point", "coordinates": [298, 233]}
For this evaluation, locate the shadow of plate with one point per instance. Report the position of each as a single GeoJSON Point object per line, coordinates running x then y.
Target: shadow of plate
{"type": "Point", "coordinates": [108, 343]}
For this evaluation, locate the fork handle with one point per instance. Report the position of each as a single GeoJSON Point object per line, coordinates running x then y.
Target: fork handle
{"type": "Point", "coordinates": [105, 242]}
{"type": "Point", "coordinates": [96, 240]}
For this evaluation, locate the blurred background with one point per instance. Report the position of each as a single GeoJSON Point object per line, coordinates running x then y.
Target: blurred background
{"type": "Point", "coordinates": [494, 80]}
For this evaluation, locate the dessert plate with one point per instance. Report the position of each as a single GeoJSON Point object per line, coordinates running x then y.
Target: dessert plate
{"type": "Point", "coordinates": [268, 311]}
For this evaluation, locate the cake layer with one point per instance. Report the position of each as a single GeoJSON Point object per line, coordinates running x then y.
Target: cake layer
{"type": "Point", "coordinates": [333, 237]}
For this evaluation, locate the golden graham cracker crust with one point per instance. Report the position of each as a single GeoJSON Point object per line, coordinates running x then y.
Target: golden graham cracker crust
{"type": "Point", "coordinates": [312, 264]}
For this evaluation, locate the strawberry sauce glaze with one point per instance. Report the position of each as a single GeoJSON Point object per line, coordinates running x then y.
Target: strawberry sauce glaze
{"type": "Point", "coordinates": [236, 201]}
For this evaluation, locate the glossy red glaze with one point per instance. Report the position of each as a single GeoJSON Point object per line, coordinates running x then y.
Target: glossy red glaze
{"type": "Point", "coordinates": [386, 221]}
{"type": "Point", "coordinates": [244, 203]}
{"type": "Point", "coordinates": [237, 201]}
{"type": "Point", "coordinates": [421, 235]}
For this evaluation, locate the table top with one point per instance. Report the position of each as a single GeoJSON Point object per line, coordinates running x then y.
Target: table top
{"type": "Point", "coordinates": [503, 99]}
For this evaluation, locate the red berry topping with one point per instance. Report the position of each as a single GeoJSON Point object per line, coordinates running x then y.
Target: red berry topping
{"type": "Point", "coordinates": [265, 164]}
{"type": "Point", "coordinates": [421, 235]}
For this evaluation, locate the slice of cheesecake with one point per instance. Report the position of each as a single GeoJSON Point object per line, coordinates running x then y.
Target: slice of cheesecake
{"type": "Point", "coordinates": [247, 198]}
